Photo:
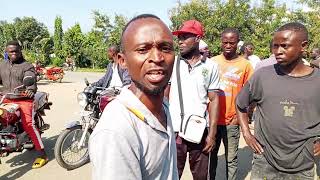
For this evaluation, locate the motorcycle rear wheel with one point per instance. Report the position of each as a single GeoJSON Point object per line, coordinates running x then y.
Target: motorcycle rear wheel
{"type": "Point", "coordinates": [62, 147]}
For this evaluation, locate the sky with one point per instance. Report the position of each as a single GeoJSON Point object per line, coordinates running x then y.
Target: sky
{"type": "Point", "coordinates": [80, 11]}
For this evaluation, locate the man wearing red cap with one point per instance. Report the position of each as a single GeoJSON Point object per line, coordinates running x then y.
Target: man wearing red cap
{"type": "Point", "coordinates": [199, 81]}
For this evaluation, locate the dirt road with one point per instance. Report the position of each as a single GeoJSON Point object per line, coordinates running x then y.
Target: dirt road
{"type": "Point", "coordinates": [63, 96]}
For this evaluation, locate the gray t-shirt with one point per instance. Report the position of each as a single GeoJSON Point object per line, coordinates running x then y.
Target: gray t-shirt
{"type": "Point", "coordinates": [124, 146]}
{"type": "Point", "coordinates": [288, 116]}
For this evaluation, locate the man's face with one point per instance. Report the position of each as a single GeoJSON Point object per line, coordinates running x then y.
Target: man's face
{"type": "Point", "coordinates": [229, 43]}
{"type": "Point", "coordinates": [288, 47]}
{"type": "Point", "coordinates": [187, 43]}
{"type": "Point", "coordinates": [148, 54]}
{"type": "Point", "coordinates": [249, 50]}
{"type": "Point", "coordinates": [205, 51]}
{"type": "Point", "coordinates": [314, 54]}
{"type": "Point", "coordinates": [14, 52]}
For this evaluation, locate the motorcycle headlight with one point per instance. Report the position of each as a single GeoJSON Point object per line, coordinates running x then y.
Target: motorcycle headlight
{"type": "Point", "coordinates": [82, 99]}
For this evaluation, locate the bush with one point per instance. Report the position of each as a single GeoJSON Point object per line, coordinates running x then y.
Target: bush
{"type": "Point", "coordinates": [57, 62]}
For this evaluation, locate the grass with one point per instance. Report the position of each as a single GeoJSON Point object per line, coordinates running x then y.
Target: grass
{"type": "Point", "coordinates": [90, 70]}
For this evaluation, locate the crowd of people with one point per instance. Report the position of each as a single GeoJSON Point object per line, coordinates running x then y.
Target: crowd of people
{"type": "Point", "coordinates": [176, 105]}
{"type": "Point", "coordinates": [173, 98]}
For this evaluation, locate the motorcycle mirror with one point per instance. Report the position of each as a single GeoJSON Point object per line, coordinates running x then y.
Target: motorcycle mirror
{"type": "Point", "coordinates": [86, 81]}
{"type": "Point", "coordinates": [28, 81]}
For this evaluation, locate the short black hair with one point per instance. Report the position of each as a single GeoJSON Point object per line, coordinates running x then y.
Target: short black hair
{"type": "Point", "coordinates": [141, 16]}
{"type": "Point", "coordinates": [296, 27]}
{"type": "Point", "coordinates": [115, 48]}
{"type": "Point", "coordinates": [231, 30]}
{"type": "Point", "coordinates": [13, 43]}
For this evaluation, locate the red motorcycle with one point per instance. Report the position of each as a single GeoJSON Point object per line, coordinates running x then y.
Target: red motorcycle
{"type": "Point", "coordinates": [49, 73]}
{"type": "Point", "coordinates": [13, 138]}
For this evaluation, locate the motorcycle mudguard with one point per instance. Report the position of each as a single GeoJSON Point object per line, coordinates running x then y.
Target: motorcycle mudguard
{"type": "Point", "coordinates": [72, 124]}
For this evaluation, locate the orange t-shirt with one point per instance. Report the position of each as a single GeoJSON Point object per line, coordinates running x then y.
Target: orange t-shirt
{"type": "Point", "coordinates": [233, 75]}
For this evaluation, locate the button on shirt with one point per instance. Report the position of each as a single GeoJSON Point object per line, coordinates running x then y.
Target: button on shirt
{"type": "Point", "coordinates": [125, 147]}
{"type": "Point", "coordinates": [202, 78]}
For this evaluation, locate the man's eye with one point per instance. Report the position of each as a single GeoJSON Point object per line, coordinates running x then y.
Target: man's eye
{"type": "Point", "coordinates": [167, 49]}
{"type": "Point", "coordinates": [142, 50]}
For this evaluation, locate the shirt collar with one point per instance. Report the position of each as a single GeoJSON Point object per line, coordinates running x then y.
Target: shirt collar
{"type": "Point", "coordinates": [133, 104]}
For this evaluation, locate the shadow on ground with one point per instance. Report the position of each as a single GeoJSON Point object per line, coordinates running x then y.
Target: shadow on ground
{"type": "Point", "coordinates": [244, 164]}
{"type": "Point", "coordinates": [21, 163]}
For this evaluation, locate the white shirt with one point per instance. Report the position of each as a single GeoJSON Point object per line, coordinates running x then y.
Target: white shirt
{"type": "Point", "coordinates": [123, 147]}
{"type": "Point", "coordinates": [254, 60]}
{"type": "Point", "coordinates": [203, 78]}
{"type": "Point", "coordinates": [115, 79]}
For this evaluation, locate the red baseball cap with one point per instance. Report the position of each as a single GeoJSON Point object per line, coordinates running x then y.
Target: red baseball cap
{"type": "Point", "coordinates": [191, 26]}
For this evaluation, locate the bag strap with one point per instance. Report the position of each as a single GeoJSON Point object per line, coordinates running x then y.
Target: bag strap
{"type": "Point", "coordinates": [180, 92]}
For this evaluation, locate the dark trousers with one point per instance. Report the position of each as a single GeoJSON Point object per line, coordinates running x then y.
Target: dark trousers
{"type": "Point", "coordinates": [262, 170]}
{"type": "Point", "coordinates": [230, 136]}
{"type": "Point", "coordinates": [197, 159]}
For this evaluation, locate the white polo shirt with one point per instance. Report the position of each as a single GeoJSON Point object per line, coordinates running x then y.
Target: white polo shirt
{"type": "Point", "coordinates": [123, 147]}
{"type": "Point", "coordinates": [202, 78]}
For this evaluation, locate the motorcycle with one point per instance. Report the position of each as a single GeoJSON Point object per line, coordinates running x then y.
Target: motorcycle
{"type": "Point", "coordinates": [71, 148]}
{"type": "Point", "coordinates": [12, 136]}
{"type": "Point", "coordinates": [49, 73]}
{"type": "Point", "coordinates": [69, 66]}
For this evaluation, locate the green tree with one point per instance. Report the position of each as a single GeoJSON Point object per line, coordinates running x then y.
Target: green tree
{"type": "Point", "coordinates": [115, 34]}
{"type": "Point", "coordinates": [94, 49]}
{"type": "Point", "coordinates": [7, 33]}
{"type": "Point", "coordinates": [27, 29]}
{"type": "Point", "coordinates": [57, 37]}
{"type": "Point", "coordinates": [72, 45]}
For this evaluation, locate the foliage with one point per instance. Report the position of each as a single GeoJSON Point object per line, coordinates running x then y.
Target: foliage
{"type": "Point", "coordinates": [56, 61]}
{"type": "Point", "coordinates": [72, 46]}
{"type": "Point", "coordinates": [256, 24]}
{"type": "Point", "coordinates": [94, 49]}
{"type": "Point", "coordinates": [29, 31]}
{"type": "Point", "coordinates": [255, 21]}
{"type": "Point", "coordinates": [57, 37]}
{"type": "Point", "coordinates": [115, 34]}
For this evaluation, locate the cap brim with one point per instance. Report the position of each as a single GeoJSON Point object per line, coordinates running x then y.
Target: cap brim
{"type": "Point", "coordinates": [177, 33]}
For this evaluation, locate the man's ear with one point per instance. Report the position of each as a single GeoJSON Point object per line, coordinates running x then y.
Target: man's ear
{"type": "Point", "coordinates": [304, 45]}
{"type": "Point", "coordinates": [198, 38]}
{"type": "Point", "coordinates": [122, 60]}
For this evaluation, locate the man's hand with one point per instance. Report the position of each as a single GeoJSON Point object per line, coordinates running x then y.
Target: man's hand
{"type": "Point", "coordinates": [29, 93]}
{"type": "Point", "coordinates": [210, 144]}
{"type": "Point", "coordinates": [316, 148]}
{"type": "Point", "coordinates": [252, 143]}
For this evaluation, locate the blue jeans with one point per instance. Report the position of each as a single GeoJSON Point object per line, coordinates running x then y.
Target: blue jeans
{"type": "Point", "coordinates": [230, 136]}
{"type": "Point", "coordinates": [262, 170]}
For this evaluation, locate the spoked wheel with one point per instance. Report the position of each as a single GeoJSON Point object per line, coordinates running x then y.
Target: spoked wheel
{"type": "Point", "coordinates": [66, 150]}
{"type": "Point", "coordinates": [58, 77]}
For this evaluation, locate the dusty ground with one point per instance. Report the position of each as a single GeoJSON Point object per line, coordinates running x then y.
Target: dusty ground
{"type": "Point", "coordinates": [63, 96]}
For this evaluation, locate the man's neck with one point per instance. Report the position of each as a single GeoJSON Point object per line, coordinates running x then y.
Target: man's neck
{"type": "Point", "coordinates": [230, 56]}
{"type": "Point", "coordinates": [296, 69]}
{"type": "Point", "coordinates": [192, 57]}
{"type": "Point", "coordinates": [152, 102]}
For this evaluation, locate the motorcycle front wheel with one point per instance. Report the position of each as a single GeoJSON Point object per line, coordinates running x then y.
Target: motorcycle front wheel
{"type": "Point", "coordinates": [66, 150]}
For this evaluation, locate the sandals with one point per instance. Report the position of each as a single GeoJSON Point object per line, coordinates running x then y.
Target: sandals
{"type": "Point", "coordinates": [39, 162]}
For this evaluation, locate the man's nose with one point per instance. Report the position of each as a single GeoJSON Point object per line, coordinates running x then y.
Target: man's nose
{"type": "Point", "coordinates": [156, 55]}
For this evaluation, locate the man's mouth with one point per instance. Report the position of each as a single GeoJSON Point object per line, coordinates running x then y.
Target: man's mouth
{"type": "Point", "coordinates": [155, 76]}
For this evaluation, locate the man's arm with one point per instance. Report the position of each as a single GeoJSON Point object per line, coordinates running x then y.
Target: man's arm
{"type": "Point", "coordinates": [104, 78]}
{"type": "Point", "coordinates": [31, 72]}
{"type": "Point", "coordinates": [243, 100]}
{"type": "Point", "coordinates": [213, 109]}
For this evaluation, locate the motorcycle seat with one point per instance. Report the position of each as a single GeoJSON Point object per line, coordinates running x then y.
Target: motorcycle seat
{"type": "Point", "coordinates": [40, 99]}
